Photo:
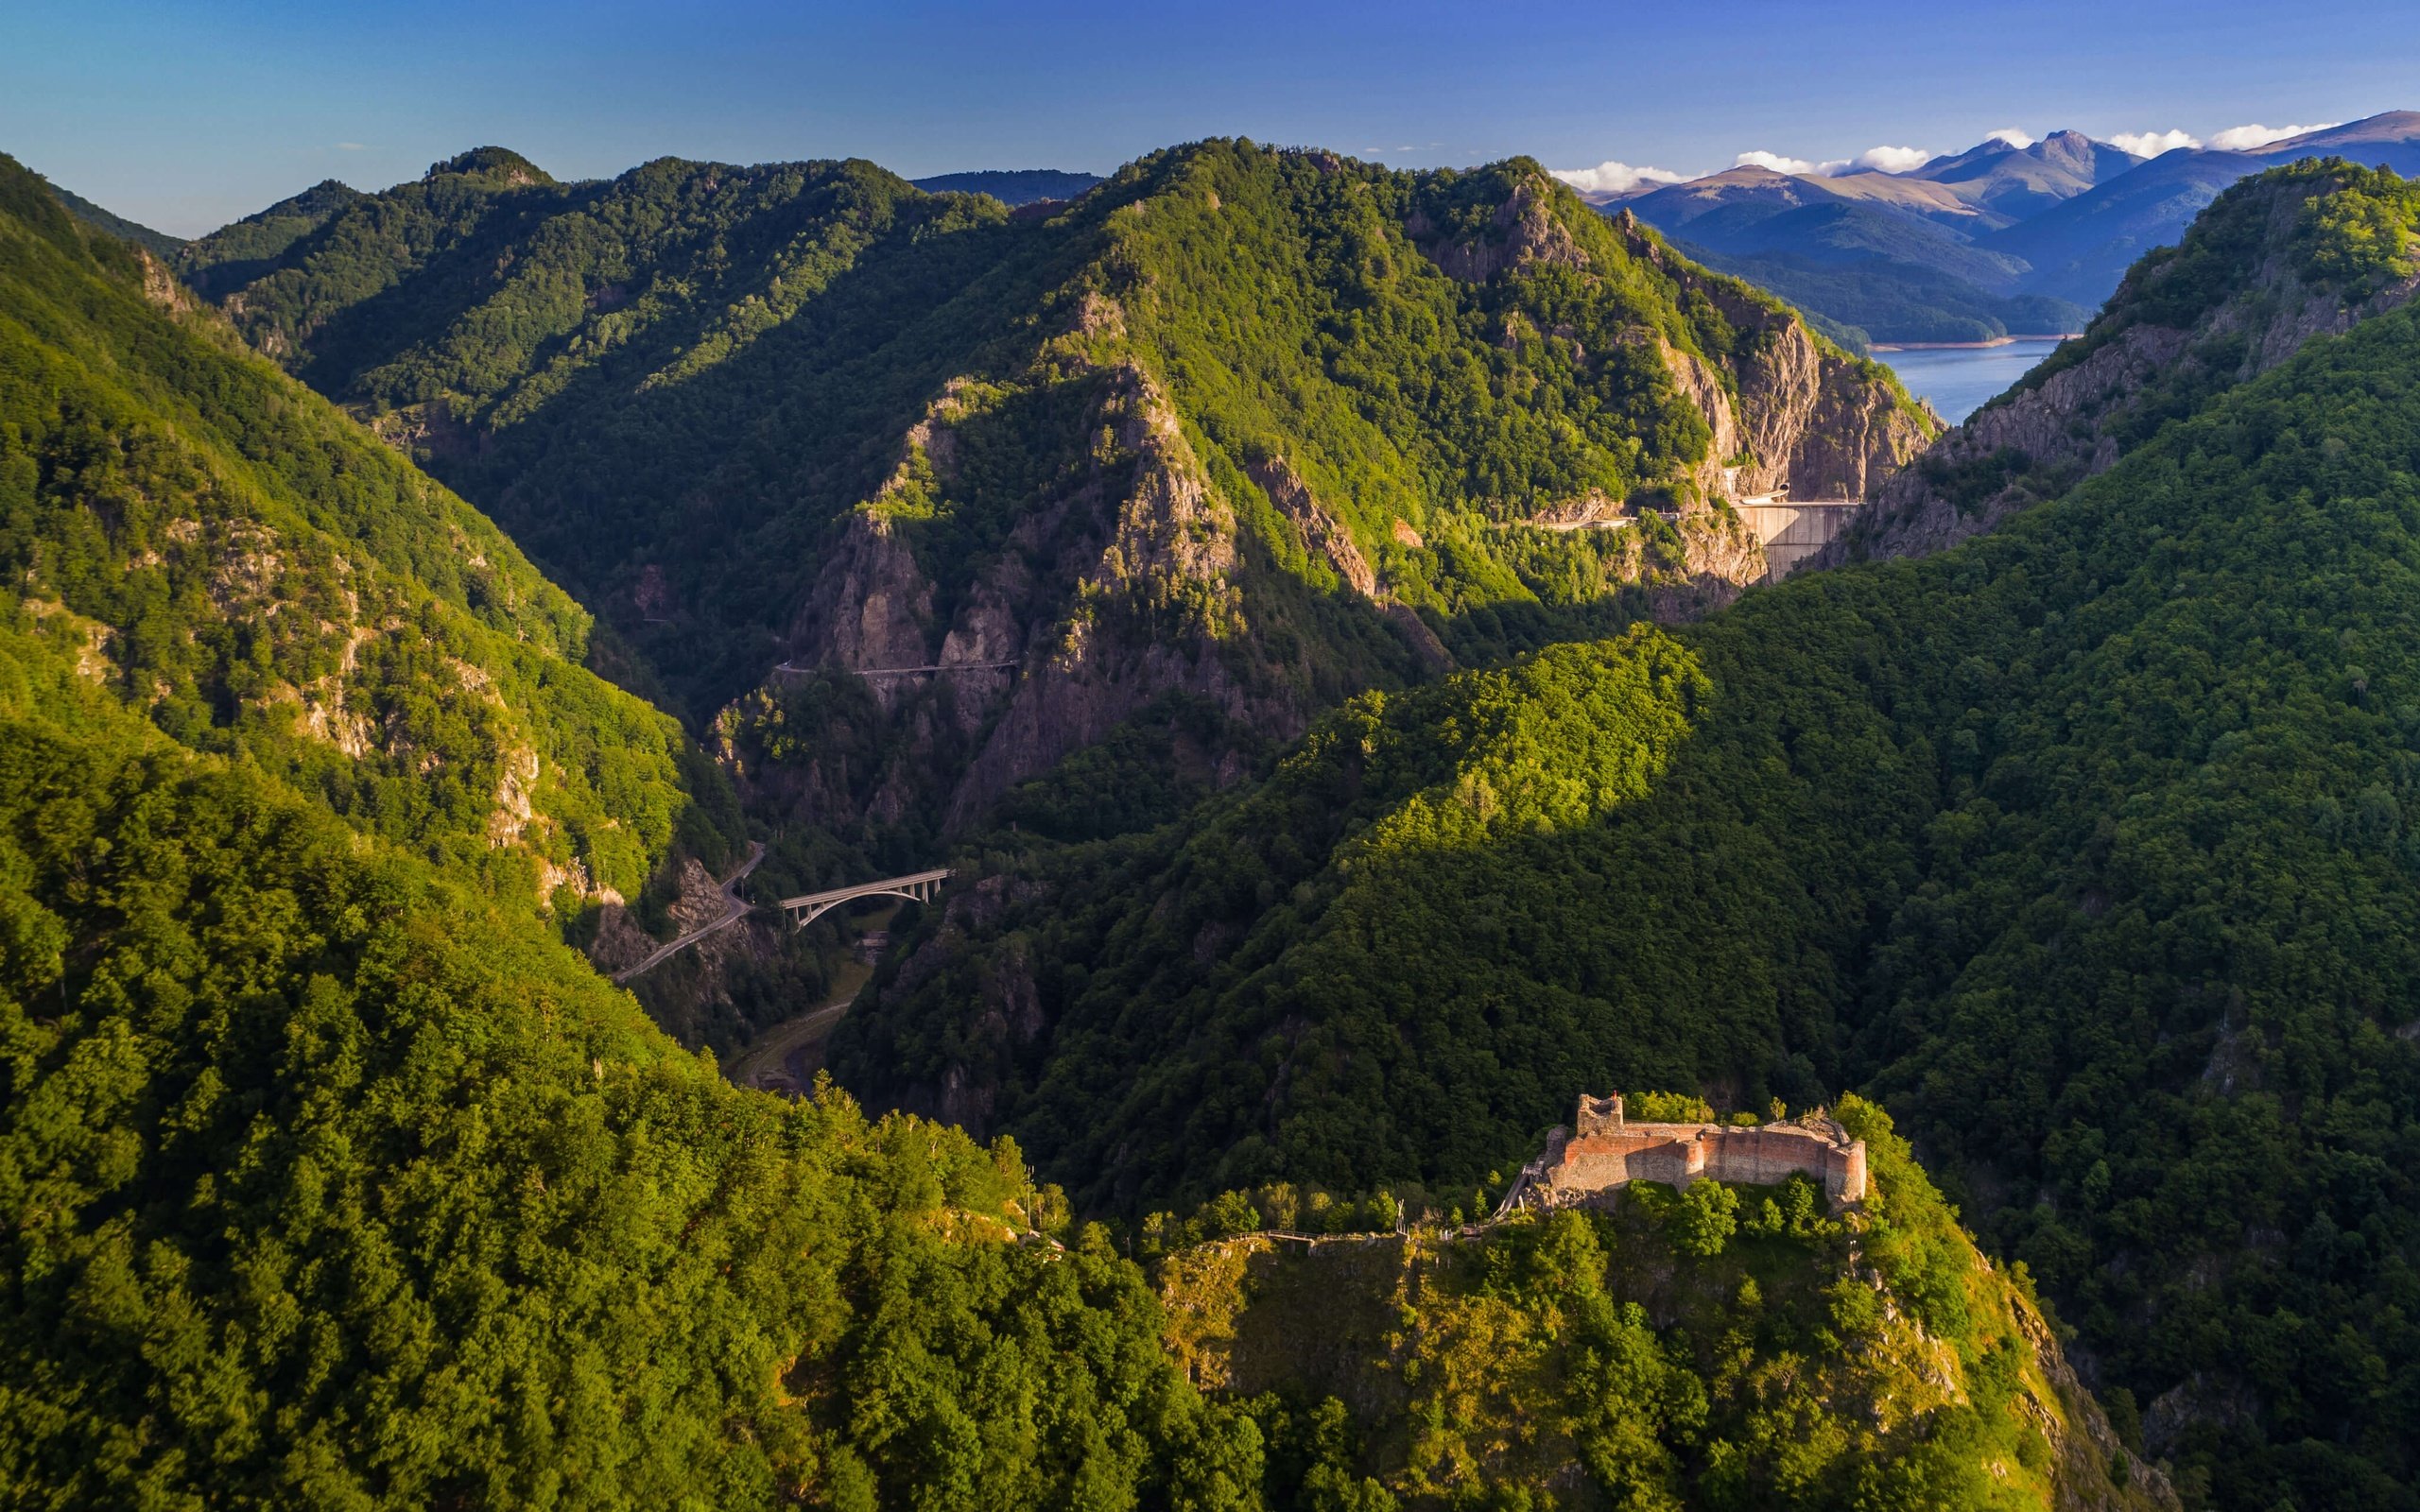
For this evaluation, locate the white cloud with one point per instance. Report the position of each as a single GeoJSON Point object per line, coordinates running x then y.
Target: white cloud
{"type": "Point", "coordinates": [1774, 161]}
{"type": "Point", "coordinates": [1892, 160]}
{"type": "Point", "coordinates": [2012, 136]}
{"type": "Point", "coordinates": [1612, 178]}
{"type": "Point", "coordinates": [1830, 167]}
{"type": "Point", "coordinates": [351, 146]}
{"type": "Point", "coordinates": [2245, 138]}
{"type": "Point", "coordinates": [2152, 144]}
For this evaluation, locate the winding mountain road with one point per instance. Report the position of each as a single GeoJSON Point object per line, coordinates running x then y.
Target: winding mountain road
{"type": "Point", "coordinates": [735, 908]}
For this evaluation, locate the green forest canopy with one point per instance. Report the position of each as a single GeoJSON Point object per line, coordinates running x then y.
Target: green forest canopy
{"type": "Point", "coordinates": [2086, 847]}
{"type": "Point", "coordinates": [329, 1176]}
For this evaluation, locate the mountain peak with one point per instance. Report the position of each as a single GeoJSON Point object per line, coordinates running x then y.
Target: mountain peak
{"type": "Point", "coordinates": [2386, 125]}
{"type": "Point", "coordinates": [508, 167]}
{"type": "Point", "coordinates": [2000, 176]}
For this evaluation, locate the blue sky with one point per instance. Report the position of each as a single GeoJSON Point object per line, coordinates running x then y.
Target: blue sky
{"type": "Point", "coordinates": [187, 116]}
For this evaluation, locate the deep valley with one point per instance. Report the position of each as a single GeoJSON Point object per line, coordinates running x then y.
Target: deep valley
{"type": "Point", "coordinates": [767, 835]}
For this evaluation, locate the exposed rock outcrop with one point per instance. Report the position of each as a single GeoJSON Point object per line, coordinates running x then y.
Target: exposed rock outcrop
{"type": "Point", "coordinates": [2095, 1467]}
{"type": "Point", "coordinates": [1145, 616]}
{"type": "Point", "coordinates": [161, 284]}
{"type": "Point", "coordinates": [1320, 530]}
{"type": "Point", "coordinates": [1113, 588]}
{"type": "Point", "coordinates": [872, 605]}
{"type": "Point", "coordinates": [1719, 557]}
{"type": "Point", "coordinates": [1523, 230]}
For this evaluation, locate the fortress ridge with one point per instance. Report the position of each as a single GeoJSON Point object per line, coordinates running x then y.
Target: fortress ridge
{"type": "Point", "coordinates": [1608, 1151]}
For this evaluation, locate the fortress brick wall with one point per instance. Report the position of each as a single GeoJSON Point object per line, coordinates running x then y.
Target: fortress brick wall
{"type": "Point", "coordinates": [1607, 1151]}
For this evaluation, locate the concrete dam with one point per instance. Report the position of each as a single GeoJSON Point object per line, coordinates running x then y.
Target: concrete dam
{"type": "Point", "coordinates": [1793, 531]}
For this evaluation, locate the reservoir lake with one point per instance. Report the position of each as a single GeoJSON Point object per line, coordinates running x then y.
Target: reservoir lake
{"type": "Point", "coordinates": [1959, 379]}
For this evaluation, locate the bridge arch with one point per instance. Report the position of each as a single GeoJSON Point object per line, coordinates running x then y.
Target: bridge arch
{"type": "Point", "coordinates": [922, 888]}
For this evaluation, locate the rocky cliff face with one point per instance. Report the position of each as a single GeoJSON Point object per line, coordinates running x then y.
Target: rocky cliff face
{"type": "Point", "coordinates": [1121, 574]}
{"type": "Point", "coordinates": [1788, 412]}
{"type": "Point", "coordinates": [1523, 232]}
{"type": "Point", "coordinates": [1111, 588]}
{"type": "Point", "coordinates": [2240, 297]}
{"type": "Point", "coordinates": [725, 989]}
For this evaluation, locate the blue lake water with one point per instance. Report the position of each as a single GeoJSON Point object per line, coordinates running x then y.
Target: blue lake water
{"type": "Point", "coordinates": [1959, 379]}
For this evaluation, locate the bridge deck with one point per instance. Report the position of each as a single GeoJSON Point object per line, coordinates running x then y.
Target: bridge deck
{"type": "Point", "coordinates": [898, 671]}
{"type": "Point", "coordinates": [840, 895]}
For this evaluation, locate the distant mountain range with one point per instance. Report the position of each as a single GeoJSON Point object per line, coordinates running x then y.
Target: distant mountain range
{"type": "Point", "coordinates": [1997, 240]}
{"type": "Point", "coordinates": [1011, 186]}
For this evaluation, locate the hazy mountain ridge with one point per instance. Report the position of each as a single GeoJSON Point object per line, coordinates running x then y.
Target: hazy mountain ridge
{"type": "Point", "coordinates": [2049, 229]}
{"type": "Point", "coordinates": [1011, 186]}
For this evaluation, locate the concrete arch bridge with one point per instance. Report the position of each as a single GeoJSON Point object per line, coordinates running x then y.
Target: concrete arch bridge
{"type": "Point", "coordinates": [919, 887]}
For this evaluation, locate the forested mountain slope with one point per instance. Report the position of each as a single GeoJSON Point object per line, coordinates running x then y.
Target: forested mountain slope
{"type": "Point", "coordinates": [329, 1176]}
{"type": "Point", "coordinates": [328, 1182]}
{"type": "Point", "coordinates": [2299, 251]}
{"type": "Point", "coordinates": [242, 565]}
{"type": "Point", "coordinates": [2084, 846]}
{"type": "Point", "coordinates": [1257, 428]}
{"type": "Point", "coordinates": [258, 575]}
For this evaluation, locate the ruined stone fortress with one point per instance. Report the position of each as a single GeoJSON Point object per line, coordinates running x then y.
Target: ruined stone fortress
{"type": "Point", "coordinates": [1606, 1151]}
